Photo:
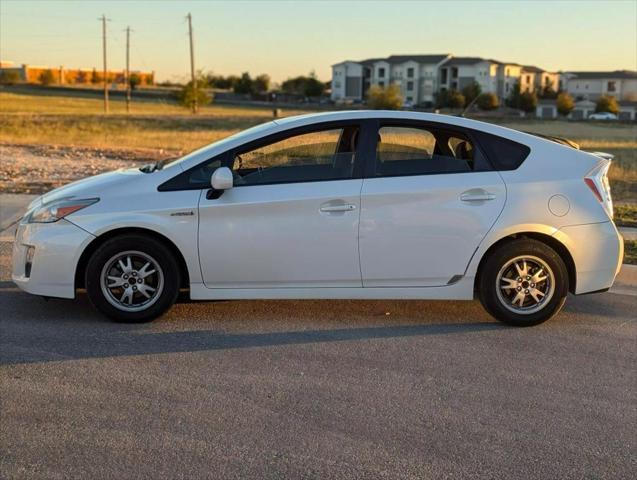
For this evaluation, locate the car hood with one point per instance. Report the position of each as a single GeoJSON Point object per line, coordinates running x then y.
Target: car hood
{"type": "Point", "coordinates": [91, 186]}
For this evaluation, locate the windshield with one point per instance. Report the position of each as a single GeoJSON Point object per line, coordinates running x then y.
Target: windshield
{"type": "Point", "coordinates": [220, 143]}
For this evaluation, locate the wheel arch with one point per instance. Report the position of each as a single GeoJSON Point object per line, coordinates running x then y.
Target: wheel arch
{"type": "Point", "coordinates": [80, 269]}
{"type": "Point", "coordinates": [548, 240]}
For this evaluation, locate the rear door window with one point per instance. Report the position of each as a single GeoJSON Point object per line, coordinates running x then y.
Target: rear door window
{"type": "Point", "coordinates": [406, 150]}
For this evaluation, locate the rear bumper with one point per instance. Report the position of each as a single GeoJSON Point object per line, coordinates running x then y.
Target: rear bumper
{"type": "Point", "coordinates": [57, 250]}
{"type": "Point", "coordinates": [597, 250]}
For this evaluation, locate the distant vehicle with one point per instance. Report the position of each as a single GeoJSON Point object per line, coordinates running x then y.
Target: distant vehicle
{"type": "Point", "coordinates": [408, 104]}
{"type": "Point", "coordinates": [602, 116]}
{"type": "Point", "coordinates": [352, 204]}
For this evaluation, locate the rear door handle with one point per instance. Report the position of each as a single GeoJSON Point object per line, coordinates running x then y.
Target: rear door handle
{"type": "Point", "coordinates": [477, 197]}
{"type": "Point", "coordinates": [348, 207]}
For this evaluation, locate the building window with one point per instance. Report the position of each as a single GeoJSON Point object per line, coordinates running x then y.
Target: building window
{"type": "Point", "coordinates": [506, 87]}
{"type": "Point", "coordinates": [454, 72]}
{"type": "Point", "coordinates": [410, 73]}
{"type": "Point", "coordinates": [443, 75]}
{"type": "Point", "coordinates": [611, 87]}
{"type": "Point", "coordinates": [410, 85]}
{"type": "Point", "coordinates": [528, 79]}
{"type": "Point", "coordinates": [381, 72]}
{"type": "Point", "coordinates": [381, 84]}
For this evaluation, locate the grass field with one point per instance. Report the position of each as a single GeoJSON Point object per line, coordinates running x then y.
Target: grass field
{"type": "Point", "coordinates": [66, 120]}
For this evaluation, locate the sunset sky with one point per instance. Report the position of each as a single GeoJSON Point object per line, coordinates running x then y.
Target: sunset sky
{"type": "Point", "coordinates": [286, 38]}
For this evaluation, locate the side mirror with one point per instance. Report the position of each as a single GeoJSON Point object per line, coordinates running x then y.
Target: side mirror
{"type": "Point", "coordinates": [222, 179]}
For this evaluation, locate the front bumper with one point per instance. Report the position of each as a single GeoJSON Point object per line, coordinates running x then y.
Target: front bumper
{"type": "Point", "coordinates": [58, 247]}
{"type": "Point", "coordinates": [597, 250]}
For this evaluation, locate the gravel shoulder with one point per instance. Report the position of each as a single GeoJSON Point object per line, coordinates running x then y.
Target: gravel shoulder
{"type": "Point", "coordinates": [36, 169]}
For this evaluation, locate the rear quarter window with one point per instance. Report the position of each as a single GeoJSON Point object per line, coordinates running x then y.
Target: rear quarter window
{"type": "Point", "coordinates": [503, 154]}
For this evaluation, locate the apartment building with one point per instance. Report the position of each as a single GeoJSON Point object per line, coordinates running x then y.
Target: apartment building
{"type": "Point", "coordinates": [416, 75]}
{"type": "Point", "coordinates": [421, 77]}
{"type": "Point", "coordinates": [621, 84]}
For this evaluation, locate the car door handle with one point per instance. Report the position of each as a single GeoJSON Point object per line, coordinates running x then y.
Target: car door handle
{"type": "Point", "coordinates": [348, 207]}
{"type": "Point", "coordinates": [477, 197]}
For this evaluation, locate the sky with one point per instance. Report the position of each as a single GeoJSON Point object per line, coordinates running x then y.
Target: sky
{"type": "Point", "coordinates": [289, 38]}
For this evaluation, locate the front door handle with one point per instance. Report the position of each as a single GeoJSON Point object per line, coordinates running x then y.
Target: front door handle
{"type": "Point", "coordinates": [348, 207]}
{"type": "Point", "coordinates": [477, 196]}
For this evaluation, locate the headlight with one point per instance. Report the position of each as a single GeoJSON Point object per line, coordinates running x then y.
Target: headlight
{"type": "Point", "coordinates": [54, 211]}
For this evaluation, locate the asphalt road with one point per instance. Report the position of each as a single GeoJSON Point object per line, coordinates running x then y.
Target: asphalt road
{"type": "Point", "coordinates": [317, 389]}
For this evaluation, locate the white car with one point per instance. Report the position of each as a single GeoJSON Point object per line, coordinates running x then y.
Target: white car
{"type": "Point", "coordinates": [355, 205]}
{"type": "Point", "coordinates": [602, 116]}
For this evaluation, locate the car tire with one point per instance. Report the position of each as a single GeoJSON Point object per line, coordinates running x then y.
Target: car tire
{"type": "Point", "coordinates": [523, 283]}
{"type": "Point", "coordinates": [132, 278]}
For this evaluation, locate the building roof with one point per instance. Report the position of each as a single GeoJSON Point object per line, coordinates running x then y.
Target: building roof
{"type": "Point", "coordinates": [619, 74]}
{"type": "Point", "coordinates": [434, 58]}
{"type": "Point", "coordinates": [533, 69]}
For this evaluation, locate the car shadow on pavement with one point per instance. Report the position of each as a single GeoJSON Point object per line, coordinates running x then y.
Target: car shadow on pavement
{"type": "Point", "coordinates": [35, 331]}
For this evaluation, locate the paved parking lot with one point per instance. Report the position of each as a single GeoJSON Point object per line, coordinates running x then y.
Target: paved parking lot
{"type": "Point", "coordinates": [317, 389]}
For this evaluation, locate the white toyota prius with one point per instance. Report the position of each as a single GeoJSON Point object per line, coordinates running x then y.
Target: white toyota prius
{"type": "Point", "coordinates": [356, 205]}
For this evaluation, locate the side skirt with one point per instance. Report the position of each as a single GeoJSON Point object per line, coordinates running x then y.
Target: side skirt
{"type": "Point", "coordinates": [463, 290]}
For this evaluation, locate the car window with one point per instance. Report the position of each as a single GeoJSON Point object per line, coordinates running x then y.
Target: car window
{"type": "Point", "coordinates": [305, 157]}
{"type": "Point", "coordinates": [503, 154]}
{"type": "Point", "coordinates": [419, 151]}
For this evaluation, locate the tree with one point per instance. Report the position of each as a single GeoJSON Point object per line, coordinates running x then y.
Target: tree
{"type": "Point", "coordinates": [150, 79]}
{"type": "Point", "coordinates": [488, 101]}
{"type": "Point", "coordinates": [134, 80]}
{"type": "Point", "coordinates": [46, 77]}
{"type": "Point", "coordinates": [471, 92]}
{"type": "Point", "coordinates": [528, 102]}
{"type": "Point", "coordinates": [564, 103]}
{"type": "Point", "coordinates": [95, 78]}
{"type": "Point", "coordinates": [513, 100]}
{"type": "Point", "coordinates": [548, 92]}
{"type": "Point", "coordinates": [9, 77]}
{"type": "Point", "coordinates": [455, 99]}
{"type": "Point", "coordinates": [244, 84]}
{"type": "Point", "coordinates": [313, 87]}
{"type": "Point", "coordinates": [384, 98]}
{"type": "Point", "coordinates": [186, 96]}
{"type": "Point", "coordinates": [81, 77]}
{"type": "Point", "coordinates": [261, 84]}
{"type": "Point", "coordinates": [607, 104]}
{"type": "Point", "coordinates": [307, 86]}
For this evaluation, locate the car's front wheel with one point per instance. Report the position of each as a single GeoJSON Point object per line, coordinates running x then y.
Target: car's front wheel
{"type": "Point", "coordinates": [132, 278]}
{"type": "Point", "coordinates": [523, 283]}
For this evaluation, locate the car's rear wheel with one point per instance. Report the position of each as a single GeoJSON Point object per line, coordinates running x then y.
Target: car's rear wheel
{"type": "Point", "coordinates": [523, 283]}
{"type": "Point", "coordinates": [132, 278]}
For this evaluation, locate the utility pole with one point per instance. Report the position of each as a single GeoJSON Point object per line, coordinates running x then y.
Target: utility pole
{"type": "Point", "coordinates": [127, 74]}
{"type": "Point", "coordinates": [103, 18]}
{"type": "Point", "coordinates": [192, 66]}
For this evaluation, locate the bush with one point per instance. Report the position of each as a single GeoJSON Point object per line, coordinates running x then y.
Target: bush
{"type": "Point", "coordinates": [46, 77]}
{"type": "Point", "coordinates": [471, 92]}
{"type": "Point", "coordinates": [528, 102]}
{"type": "Point", "coordinates": [384, 98]}
{"type": "Point", "coordinates": [455, 99]}
{"type": "Point", "coordinates": [95, 78]}
{"type": "Point", "coordinates": [488, 101]}
{"type": "Point", "coordinates": [9, 77]}
{"type": "Point", "coordinates": [186, 96]}
{"type": "Point", "coordinates": [564, 103]}
{"type": "Point", "coordinates": [607, 104]}
{"type": "Point", "coordinates": [134, 80]}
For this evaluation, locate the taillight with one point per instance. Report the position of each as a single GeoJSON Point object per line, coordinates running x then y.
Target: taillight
{"type": "Point", "coordinates": [593, 187]}
{"type": "Point", "coordinates": [597, 181]}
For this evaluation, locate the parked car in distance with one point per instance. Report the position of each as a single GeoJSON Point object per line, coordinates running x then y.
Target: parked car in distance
{"type": "Point", "coordinates": [602, 116]}
{"type": "Point", "coordinates": [351, 204]}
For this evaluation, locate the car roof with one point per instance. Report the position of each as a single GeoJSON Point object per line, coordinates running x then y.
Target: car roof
{"type": "Point", "coordinates": [312, 118]}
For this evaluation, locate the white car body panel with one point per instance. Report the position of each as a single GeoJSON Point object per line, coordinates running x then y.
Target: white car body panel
{"type": "Point", "coordinates": [282, 236]}
{"type": "Point", "coordinates": [274, 242]}
{"type": "Point", "coordinates": [401, 246]}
